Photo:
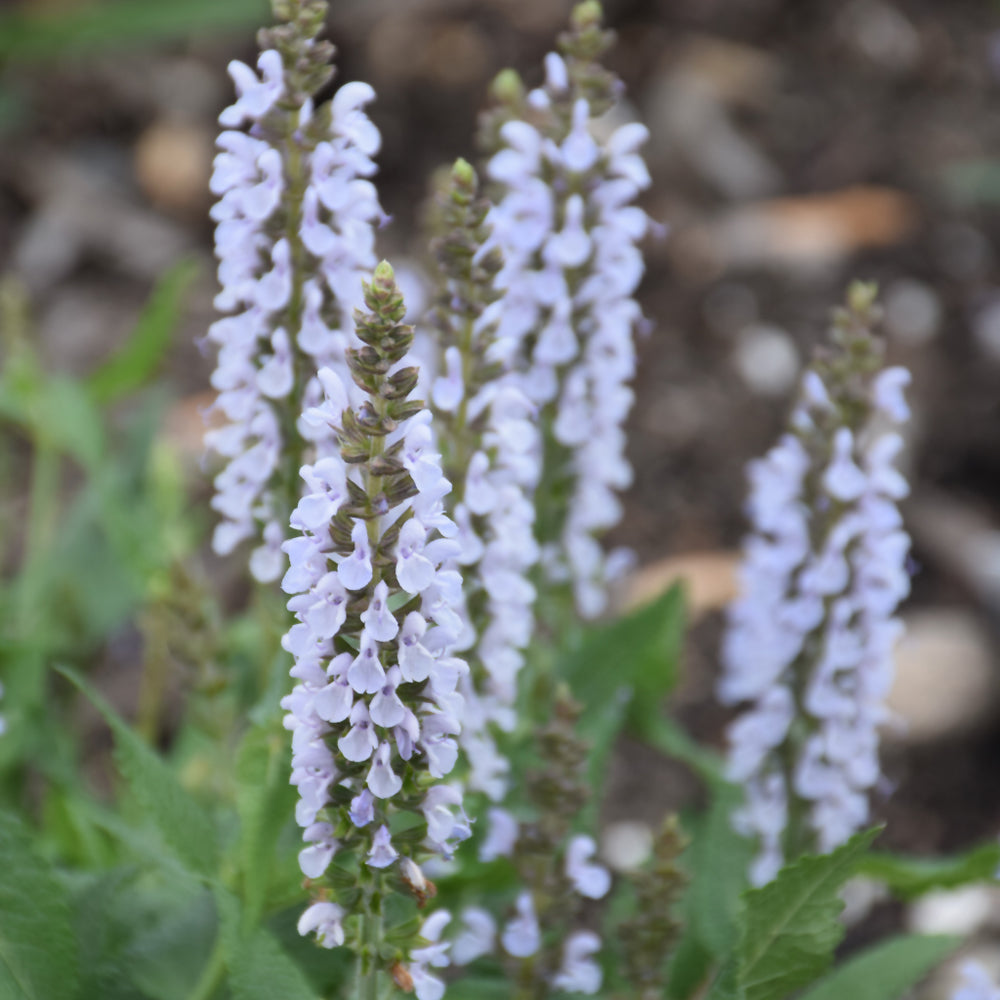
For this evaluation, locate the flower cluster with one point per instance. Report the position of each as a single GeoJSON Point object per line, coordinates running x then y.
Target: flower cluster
{"type": "Point", "coordinates": [294, 236]}
{"type": "Point", "coordinates": [568, 229]}
{"type": "Point", "coordinates": [809, 644]}
{"type": "Point", "coordinates": [492, 450]}
{"type": "Point", "coordinates": [376, 707]}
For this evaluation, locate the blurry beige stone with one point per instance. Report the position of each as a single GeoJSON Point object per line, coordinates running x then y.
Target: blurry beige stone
{"type": "Point", "coordinates": [802, 234]}
{"type": "Point", "coordinates": [709, 579]}
{"type": "Point", "coordinates": [945, 676]}
{"type": "Point", "coordinates": [173, 163]}
{"type": "Point", "coordinates": [626, 845]}
{"type": "Point", "coordinates": [955, 911]}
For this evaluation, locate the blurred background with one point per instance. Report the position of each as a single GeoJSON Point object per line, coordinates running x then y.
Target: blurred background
{"type": "Point", "coordinates": [794, 145]}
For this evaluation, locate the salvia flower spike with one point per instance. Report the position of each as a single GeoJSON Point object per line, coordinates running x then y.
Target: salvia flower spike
{"type": "Point", "coordinates": [376, 708]}
{"type": "Point", "coordinates": [492, 451]}
{"type": "Point", "coordinates": [294, 236]}
{"type": "Point", "coordinates": [809, 647]}
{"type": "Point", "coordinates": [568, 228]}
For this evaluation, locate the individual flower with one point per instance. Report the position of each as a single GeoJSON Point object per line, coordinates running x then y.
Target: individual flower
{"type": "Point", "coordinates": [809, 648]}
{"type": "Point", "coordinates": [579, 973]}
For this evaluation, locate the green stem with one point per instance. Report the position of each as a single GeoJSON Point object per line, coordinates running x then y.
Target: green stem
{"type": "Point", "coordinates": [371, 942]}
{"type": "Point", "coordinates": [212, 974]}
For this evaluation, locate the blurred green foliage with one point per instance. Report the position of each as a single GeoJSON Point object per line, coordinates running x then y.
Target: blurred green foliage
{"type": "Point", "coordinates": [37, 33]}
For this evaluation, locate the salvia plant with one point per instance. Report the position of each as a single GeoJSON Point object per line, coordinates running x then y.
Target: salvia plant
{"type": "Point", "coordinates": [389, 773]}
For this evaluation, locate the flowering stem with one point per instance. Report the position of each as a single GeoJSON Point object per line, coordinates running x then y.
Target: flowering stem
{"type": "Point", "coordinates": [371, 941]}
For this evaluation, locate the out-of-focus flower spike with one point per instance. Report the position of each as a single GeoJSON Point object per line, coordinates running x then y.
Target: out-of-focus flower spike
{"type": "Point", "coordinates": [808, 651]}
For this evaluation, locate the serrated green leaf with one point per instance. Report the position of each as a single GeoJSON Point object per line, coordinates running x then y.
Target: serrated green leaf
{"type": "Point", "coordinates": [144, 935]}
{"type": "Point", "coordinates": [265, 802]}
{"type": "Point", "coordinates": [726, 986]}
{"type": "Point", "coordinates": [720, 859]}
{"type": "Point", "coordinates": [791, 925]}
{"type": "Point", "coordinates": [908, 877]}
{"type": "Point", "coordinates": [38, 952]}
{"type": "Point", "coordinates": [138, 358]}
{"type": "Point", "coordinates": [886, 971]}
{"type": "Point", "coordinates": [182, 822]}
{"type": "Point", "coordinates": [258, 967]}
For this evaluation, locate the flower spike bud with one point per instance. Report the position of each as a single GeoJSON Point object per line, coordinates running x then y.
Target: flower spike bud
{"type": "Point", "coordinates": [808, 650]}
{"type": "Point", "coordinates": [376, 709]}
{"type": "Point", "coordinates": [491, 451]}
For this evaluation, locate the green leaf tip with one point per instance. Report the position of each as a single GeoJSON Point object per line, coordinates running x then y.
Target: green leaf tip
{"type": "Point", "coordinates": [507, 87]}
{"type": "Point", "coordinates": [861, 296]}
{"type": "Point", "coordinates": [384, 276]}
{"type": "Point", "coordinates": [462, 173]}
{"type": "Point", "coordinates": [588, 14]}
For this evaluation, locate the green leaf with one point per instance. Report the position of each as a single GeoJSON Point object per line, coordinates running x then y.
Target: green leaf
{"type": "Point", "coordinates": [666, 735]}
{"type": "Point", "coordinates": [886, 971]}
{"type": "Point", "coordinates": [624, 670]}
{"type": "Point", "coordinates": [144, 935]}
{"type": "Point", "coordinates": [911, 877]}
{"type": "Point", "coordinates": [638, 651]}
{"type": "Point", "coordinates": [259, 968]}
{"type": "Point", "coordinates": [720, 859]}
{"type": "Point", "coordinates": [182, 822]}
{"type": "Point", "coordinates": [791, 925]}
{"type": "Point", "coordinates": [38, 952]}
{"type": "Point", "coordinates": [138, 358]}
{"type": "Point", "coordinates": [265, 802]}
{"type": "Point", "coordinates": [689, 967]}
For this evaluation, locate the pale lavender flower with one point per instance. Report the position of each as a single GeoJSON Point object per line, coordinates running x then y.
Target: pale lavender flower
{"type": "Point", "coordinates": [975, 984]}
{"type": "Point", "coordinates": [579, 972]}
{"type": "Point", "coordinates": [323, 920]}
{"type": "Point", "coordinates": [477, 937]}
{"type": "Point", "coordinates": [521, 936]}
{"type": "Point", "coordinates": [589, 879]}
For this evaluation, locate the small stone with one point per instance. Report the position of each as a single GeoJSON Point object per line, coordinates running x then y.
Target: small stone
{"type": "Point", "coordinates": [954, 911]}
{"type": "Point", "coordinates": [912, 311]}
{"type": "Point", "coordinates": [626, 845]}
{"type": "Point", "coordinates": [881, 33]}
{"type": "Point", "coordinates": [766, 359]}
{"type": "Point", "coordinates": [173, 163]}
{"type": "Point", "coordinates": [709, 580]}
{"type": "Point", "coordinates": [945, 683]}
{"type": "Point", "coordinates": [859, 895]}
